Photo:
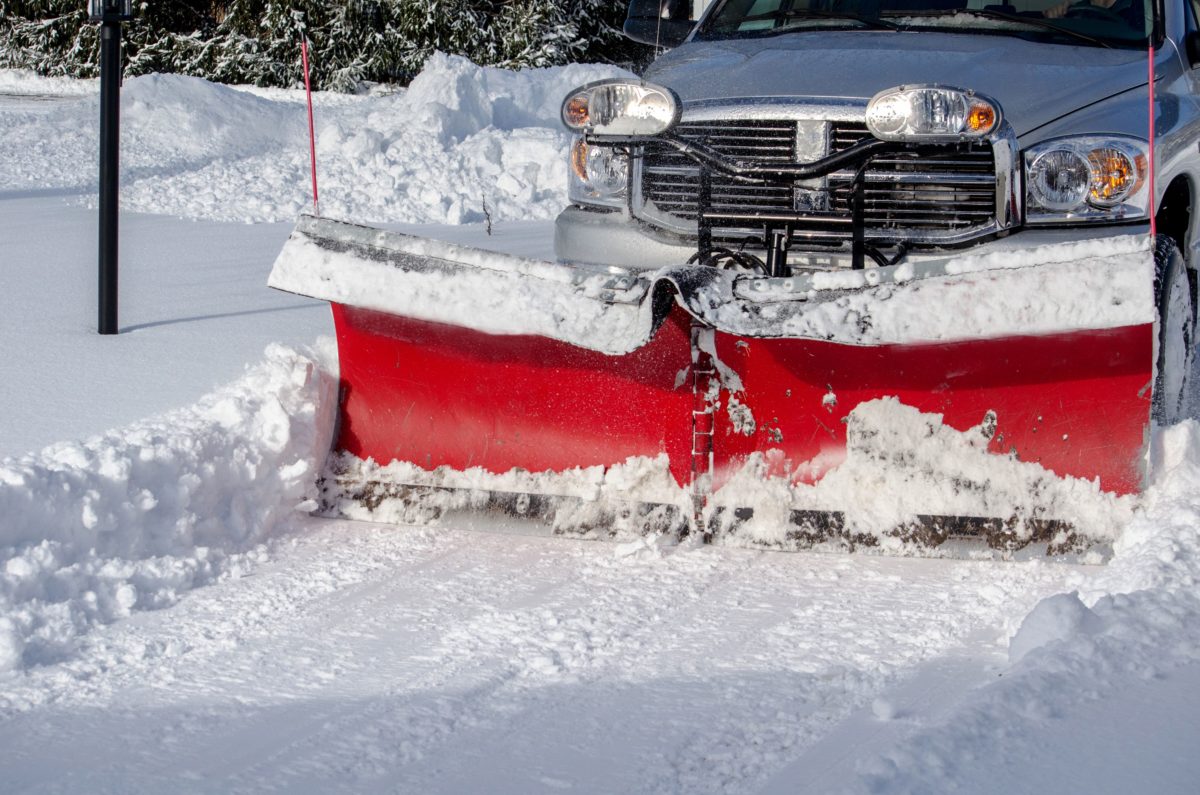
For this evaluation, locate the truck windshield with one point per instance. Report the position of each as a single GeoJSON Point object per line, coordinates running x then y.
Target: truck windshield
{"type": "Point", "coordinates": [1107, 23]}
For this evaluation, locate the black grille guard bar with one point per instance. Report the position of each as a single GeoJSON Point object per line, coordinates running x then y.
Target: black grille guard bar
{"type": "Point", "coordinates": [776, 241]}
{"type": "Point", "coordinates": [855, 156]}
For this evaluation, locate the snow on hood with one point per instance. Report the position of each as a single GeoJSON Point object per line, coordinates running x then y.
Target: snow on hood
{"type": "Point", "coordinates": [1035, 83]}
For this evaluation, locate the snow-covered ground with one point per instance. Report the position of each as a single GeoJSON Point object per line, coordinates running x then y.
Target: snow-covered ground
{"type": "Point", "coordinates": [172, 620]}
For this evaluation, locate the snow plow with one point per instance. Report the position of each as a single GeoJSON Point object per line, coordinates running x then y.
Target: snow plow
{"type": "Point", "coordinates": [915, 323]}
{"type": "Point", "coordinates": [697, 398]}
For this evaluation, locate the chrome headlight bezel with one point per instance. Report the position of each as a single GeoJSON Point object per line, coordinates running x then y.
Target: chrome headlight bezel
{"type": "Point", "coordinates": [1097, 201]}
{"type": "Point", "coordinates": [620, 109]}
{"type": "Point", "coordinates": [932, 114]}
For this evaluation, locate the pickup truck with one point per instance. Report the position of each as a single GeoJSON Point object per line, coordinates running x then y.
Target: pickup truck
{"type": "Point", "coordinates": [811, 135]}
{"type": "Point", "coordinates": [880, 273]}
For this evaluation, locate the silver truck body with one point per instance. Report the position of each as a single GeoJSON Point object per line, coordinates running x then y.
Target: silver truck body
{"type": "Point", "coordinates": [817, 82]}
{"type": "Point", "coordinates": [933, 217]}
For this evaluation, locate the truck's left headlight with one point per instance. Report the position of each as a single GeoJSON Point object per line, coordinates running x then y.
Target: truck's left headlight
{"type": "Point", "coordinates": [1087, 178]}
{"type": "Point", "coordinates": [597, 175]}
{"type": "Point", "coordinates": [620, 109]}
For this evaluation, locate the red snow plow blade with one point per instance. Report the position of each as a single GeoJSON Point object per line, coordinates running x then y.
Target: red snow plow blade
{"type": "Point", "coordinates": [778, 411]}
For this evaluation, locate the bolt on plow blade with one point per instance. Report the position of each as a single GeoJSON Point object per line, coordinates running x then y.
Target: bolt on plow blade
{"type": "Point", "coordinates": [965, 406]}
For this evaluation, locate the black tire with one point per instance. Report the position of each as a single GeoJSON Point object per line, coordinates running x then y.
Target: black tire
{"type": "Point", "coordinates": [1176, 334]}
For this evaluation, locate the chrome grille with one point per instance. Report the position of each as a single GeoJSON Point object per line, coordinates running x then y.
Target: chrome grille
{"type": "Point", "coordinates": [946, 193]}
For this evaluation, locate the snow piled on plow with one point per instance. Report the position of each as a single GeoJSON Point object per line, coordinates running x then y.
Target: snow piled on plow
{"type": "Point", "coordinates": [133, 519]}
{"type": "Point", "coordinates": [486, 291]}
{"type": "Point", "coordinates": [901, 464]}
{"type": "Point", "coordinates": [1036, 291]}
{"type": "Point", "coordinates": [1095, 284]}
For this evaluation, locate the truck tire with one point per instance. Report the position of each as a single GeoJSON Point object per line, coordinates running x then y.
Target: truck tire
{"type": "Point", "coordinates": [1176, 334]}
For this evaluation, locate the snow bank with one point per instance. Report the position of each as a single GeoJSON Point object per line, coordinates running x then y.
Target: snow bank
{"type": "Point", "coordinates": [129, 520]}
{"type": "Point", "coordinates": [1055, 618]}
{"type": "Point", "coordinates": [188, 120]}
{"type": "Point", "coordinates": [1133, 627]}
{"type": "Point", "coordinates": [23, 82]}
{"type": "Point", "coordinates": [463, 142]}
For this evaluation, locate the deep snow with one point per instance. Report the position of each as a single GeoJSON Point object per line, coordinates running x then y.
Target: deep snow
{"type": "Point", "coordinates": [170, 621]}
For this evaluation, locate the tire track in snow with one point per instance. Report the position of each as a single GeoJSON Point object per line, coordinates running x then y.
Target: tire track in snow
{"type": "Point", "coordinates": [367, 658]}
{"type": "Point", "coordinates": [831, 654]}
{"type": "Point", "coordinates": [551, 623]}
{"type": "Point", "coordinates": [772, 693]}
{"type": "Point", "coordinates": [280, 582]}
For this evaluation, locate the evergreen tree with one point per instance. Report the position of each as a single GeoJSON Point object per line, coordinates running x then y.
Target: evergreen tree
{"type": "Point", "coordinates": [257, 41]}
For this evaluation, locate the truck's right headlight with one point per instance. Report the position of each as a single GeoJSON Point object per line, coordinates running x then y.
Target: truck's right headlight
{"type": "Point", "coordinates": [1087, 178]}
{"type": "Point", "coordinates": [597, 175]}
{"type": "Point", "coordinates": [931, 113]}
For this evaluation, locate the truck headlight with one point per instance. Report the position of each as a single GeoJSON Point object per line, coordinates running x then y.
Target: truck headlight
{"type": "Point", "coordinates": [620, 109]}
{"type": "Point", "coordinates": [931, 114]}
{"type": "Point", "coordinates": [597, 175]}
{"type": "Point", "coordinates": [1086, 178]}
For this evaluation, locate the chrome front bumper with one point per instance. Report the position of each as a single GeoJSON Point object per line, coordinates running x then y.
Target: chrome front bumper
{"type": "Point", "coordinates": [617, 239]}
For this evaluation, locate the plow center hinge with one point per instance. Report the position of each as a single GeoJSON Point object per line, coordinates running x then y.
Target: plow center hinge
{"type": "Point", "coordinates": [705, 394]}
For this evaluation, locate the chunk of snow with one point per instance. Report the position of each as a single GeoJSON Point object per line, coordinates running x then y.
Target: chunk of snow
{"type": "Point", "coordinates": [11, 645]}
{"type": "Point", "coordinates": [883, 709]}
{"type": "Point", "coordinates": [1055, 618]}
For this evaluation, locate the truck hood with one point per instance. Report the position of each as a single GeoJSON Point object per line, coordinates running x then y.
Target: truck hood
{"type": "Point", "coordinates": [1035, 83]}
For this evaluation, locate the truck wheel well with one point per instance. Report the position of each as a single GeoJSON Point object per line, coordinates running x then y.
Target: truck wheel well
{"type": "Point", "coordinates": [1174, 220]}
{"type": "Point", "coordinates": [1174, 213]}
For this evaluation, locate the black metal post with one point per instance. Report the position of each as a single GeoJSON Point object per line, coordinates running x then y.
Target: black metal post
{"type": "Point", "coordinates": [703, 222]}
{"type": "Point", "coordinates": [778, 241]}
{"type": "Point", "coordinates": [110, 148]}
{"type": "Point", "coordinates": [858, 243]}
